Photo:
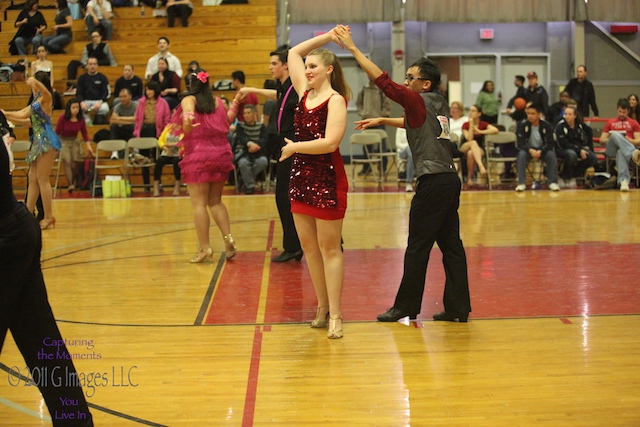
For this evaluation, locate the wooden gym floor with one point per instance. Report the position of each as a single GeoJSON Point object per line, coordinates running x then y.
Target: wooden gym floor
{"type": "Point", "coordinates": [553, 338]}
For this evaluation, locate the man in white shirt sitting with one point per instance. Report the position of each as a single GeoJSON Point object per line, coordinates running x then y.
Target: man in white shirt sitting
{"type": "Point", "coordinates": [99, 14]}
{"type": "Point", "coordinates": [163, 52]}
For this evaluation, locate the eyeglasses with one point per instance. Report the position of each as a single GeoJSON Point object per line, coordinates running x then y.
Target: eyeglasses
{"type": "Point", "coordinates": [412, 78]}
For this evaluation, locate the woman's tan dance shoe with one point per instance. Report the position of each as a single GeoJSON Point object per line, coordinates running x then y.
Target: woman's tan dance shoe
{"type": "Point", "coordinates": [320, 321]}
{"type": "Point", "coordinates": [202, 255]}
{"type": "Point", "coordinates": [334, 332]}
{"type": "Point", "coordinates": [230, 246]}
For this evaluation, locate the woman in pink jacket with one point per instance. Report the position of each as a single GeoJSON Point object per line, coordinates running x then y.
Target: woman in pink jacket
{"type": "Point", "coordinates": [152, 115]}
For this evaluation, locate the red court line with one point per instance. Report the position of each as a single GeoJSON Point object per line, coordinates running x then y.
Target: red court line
{"type": "Point", "coordinates": [270, 235]}
{"type": "Point", "coordinates": [505, 282]}
{"type": "Point", "coordinates": [238, 290]}
{"type": "Point", "coordinates": [252, 381]}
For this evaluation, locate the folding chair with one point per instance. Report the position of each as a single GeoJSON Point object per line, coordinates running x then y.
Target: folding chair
{"type": "Point", "coordinates": [457, 162]}
{"type": "Point", "coordinates": [367, 141]}
{"type": "Point", "coordinates": [388, 150]}
{"type": "Point", "coordinates": [20, 150]}
{"type": "Point", "coordinates": [130, 158]}
{"type": "Point", "coordinates": [56, 168]}
{"type": "Point", "coordinates": [491, 143]}
{"type": "Point", "coordinates": [103, 161]}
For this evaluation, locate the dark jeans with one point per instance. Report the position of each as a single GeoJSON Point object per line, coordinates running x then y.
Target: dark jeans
{"type": "Point", "coordinates": [290, 240]}
{"type": "Point", "coordinates": [148, 130]}
{"type": "Point", "coordinates": [179, 10]}
{"type": "Point", "coordinates": [434, 218]}
{"type": "Point", "coordinates": [25, 310]}
{"type": "Point", "coordinates": [162, 162]}
{"type": "Point", "coordinates": [121, 132]}
{"type": "Point", "coordinates": [571, 163]}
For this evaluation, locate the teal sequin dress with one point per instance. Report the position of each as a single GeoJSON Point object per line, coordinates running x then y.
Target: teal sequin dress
{"type": "Point", "coordinates": [44, 137]}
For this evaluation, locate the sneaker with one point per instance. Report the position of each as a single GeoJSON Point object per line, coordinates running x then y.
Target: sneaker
{"type": "Point", "coordinates": [114, 155]}
{"type": "Point", "coordinates": [409, 188]}
{"type": "Point", "coordinates": [572, 183]}
{"type": "Point", "coordinates": [521, 187]}
{"type": "Point", "coordinates": [562, 183]}
{"type": "Point", "coordinates": [70, 91]}
{"type": "Point", "coordinates": [624, 185]}
{"type": "Point", "coordinates": [636, 157]}
{"type": "Point", "coordinates": [554, 187]}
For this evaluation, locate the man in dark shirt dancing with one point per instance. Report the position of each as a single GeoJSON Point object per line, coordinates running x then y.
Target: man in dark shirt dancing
{"type": "Point", "coordinates": [434, 208]}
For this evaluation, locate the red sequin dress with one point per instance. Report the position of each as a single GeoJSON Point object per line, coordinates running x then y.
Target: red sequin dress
{"type": "Point", "coordinates": [206, 152]}
{"type": "Point", "coordinates": [318, 185]}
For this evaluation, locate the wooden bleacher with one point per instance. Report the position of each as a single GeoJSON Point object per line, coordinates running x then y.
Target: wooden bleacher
{"type": "Point", "coordinates": [221, 38]}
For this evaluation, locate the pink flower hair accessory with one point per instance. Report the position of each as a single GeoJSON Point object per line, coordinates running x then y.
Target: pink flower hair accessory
{"type": "Point", "coordinates": [202, 76]}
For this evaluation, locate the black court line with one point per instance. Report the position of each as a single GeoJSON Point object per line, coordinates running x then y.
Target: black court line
{"type": "Point", "coordinates": [354, 322]}
{"type": "Point", "coordinates": [115, 242]}
{"type": "Point", "coordinates": [207, 297]}
{"type": "Point", "coordinates": [91, 405]}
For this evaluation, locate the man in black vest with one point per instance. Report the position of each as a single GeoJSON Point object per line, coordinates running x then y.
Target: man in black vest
{"type": "Point", "coordinates": [434, 208]}
{"type": "Point", "coordinates": [286, 99]}
{"type": "Point", "coordinates": [96, 49]}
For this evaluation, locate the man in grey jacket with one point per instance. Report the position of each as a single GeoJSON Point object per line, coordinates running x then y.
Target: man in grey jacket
{"type": "Point", "coordinates": [434, 208]}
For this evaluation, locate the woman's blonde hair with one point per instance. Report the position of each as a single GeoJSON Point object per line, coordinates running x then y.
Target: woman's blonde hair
{"type": "Point", "coordinates": [459, 105]}
{"type": "Point", "coordinates": [338, 82]}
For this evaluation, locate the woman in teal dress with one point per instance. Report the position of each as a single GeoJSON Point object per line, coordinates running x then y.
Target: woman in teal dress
{"type": "Point", "coordinates": [44, 144]}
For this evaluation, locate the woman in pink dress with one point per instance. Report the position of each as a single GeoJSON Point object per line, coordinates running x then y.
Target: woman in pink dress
{"type": "Point", "coordinates": [206, 161]}
{"type": "Point", "coordinates": [318, 185]}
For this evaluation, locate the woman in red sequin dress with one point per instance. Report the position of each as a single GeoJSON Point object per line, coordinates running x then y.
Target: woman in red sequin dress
{"type": "Point", "coordinates": [206, 161]}
{"type": "Point", "coordinates": [318, 186]}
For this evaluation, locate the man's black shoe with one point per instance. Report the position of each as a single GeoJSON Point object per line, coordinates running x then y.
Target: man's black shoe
{"type": "Point", "coordinates": [393, 315]}
{"type": "Point", "coordinates": [288, 256]}
{"type": "Point", "coordinates": [451, 317]}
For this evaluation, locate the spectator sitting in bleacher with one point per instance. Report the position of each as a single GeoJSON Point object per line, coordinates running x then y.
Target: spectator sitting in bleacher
{"type": "Point", "coordinates": [556, 111]}
{"type": "Point", "coordinates": [169, 82]}
{"type": "Point", "coordinates": [622, 136]}
{"type": "Point", "coordinates": [575, 139]}
{"type": "Point", "coordinates": [96, 49]}
{"type": "Point", "coordinates": [74, 8]}
{"type": "Point", "coordinates": [250, 152]}
{"type": "Point", "coordinates": [474, 131]}
{"type": "Point", "coordinates": [193, 66]}
{"type": "Point", "coordinates": [536, 142]}
{"type": "Point", "coordinates": [62, 28]}
{"type": "Point", "coordinates": [163, 52]}
{"type": "Point", "coordinates": [93, 93]}
{"type": "Point", "coordinates": [122, 119]}
{"type": "Point", "coordinates": [99, 15]}
{"type": "Point", "coordinates": [179, 8]}
{"type": "Point", "coordinates": [128, 81]}
{"type": "Point", "coordinates": [634, 107]}
{"type": "Point", "coordinates": [42, 63]}
{"type": "Point", "coordinates": [30, 23]}
{"type": "Point", "coordinates": [152, 115]}
{"type": "Point", "coordinates": [69, 124]}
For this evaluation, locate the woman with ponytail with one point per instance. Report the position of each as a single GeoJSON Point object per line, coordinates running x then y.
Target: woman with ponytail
{"type": "Point", "coordinates": [318, 185]}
